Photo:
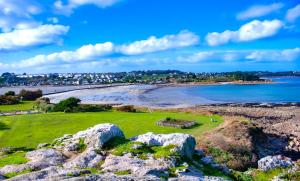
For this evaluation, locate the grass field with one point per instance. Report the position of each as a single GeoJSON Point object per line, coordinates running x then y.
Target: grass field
{"type": "Point", "coordinates": [30, 130]}
{"type": "Point", "coordinates": [25, 105]}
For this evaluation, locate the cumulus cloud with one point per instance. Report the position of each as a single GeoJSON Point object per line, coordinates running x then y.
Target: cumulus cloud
{"type": "Point", "coordinates": [154, 44]}
{"type": "Point", "coordinates": [251, 31]}
{"type": "Point", "coordinates": [73, 4]}
{"type": "Point", "coordinates": [24, 38]}
{"type": "Point", "coordinates": [259, 11]}
{"type": "Point", "coordinates": [275, 55]}
{"type": "Point", "coordinates": [293, 13]}
{"type": "Point", "coordinates": [17, 14]}
{"type": "Point", "coordinates": [242, 56]}
{"type": "Point", "coordinates": [88, 53]}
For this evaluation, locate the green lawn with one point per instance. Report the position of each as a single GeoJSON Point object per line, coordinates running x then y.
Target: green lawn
{"type": "Point", "coordinates": [25, 105]}
{"type": "Point", "coordinates": [30, 130]}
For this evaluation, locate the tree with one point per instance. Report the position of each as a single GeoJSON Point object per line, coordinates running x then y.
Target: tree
{"type": "Point", "coordinates": [10, 93]}
{"type": "Point", "coordinates": [28, 95]}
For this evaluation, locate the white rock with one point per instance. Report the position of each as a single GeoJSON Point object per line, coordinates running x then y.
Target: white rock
{"type": "Point", "coordinates": [184, 142]}
{"type": "Point", "coordinates": [13, 168]}
{"type": "Point", "coordinates": [50, 156]}
{"type": "Point", "coordinates": [271, 162]}
{"type": "Point", "coordinates": [87, 159]}
{"type": "Point", "coordinates": [94, 137]}
{"type": "Point", "coordinates": [137, 167]}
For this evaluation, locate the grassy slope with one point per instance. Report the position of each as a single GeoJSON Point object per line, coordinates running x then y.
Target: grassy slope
{"type": "Point", "coordinates": [29, 130]}
{"type": "Point", "coordinates": [25, 105]}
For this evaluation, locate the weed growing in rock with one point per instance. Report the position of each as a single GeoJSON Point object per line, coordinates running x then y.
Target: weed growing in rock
{"type": "Point", "coordinates": [123, 172]}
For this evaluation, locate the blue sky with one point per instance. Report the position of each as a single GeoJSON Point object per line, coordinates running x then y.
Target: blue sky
{"type": "Point", "coordinates": [122, 35]}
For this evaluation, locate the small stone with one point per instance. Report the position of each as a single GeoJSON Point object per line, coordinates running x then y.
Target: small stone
{"type": "Point", "coordinates": [271, 162]}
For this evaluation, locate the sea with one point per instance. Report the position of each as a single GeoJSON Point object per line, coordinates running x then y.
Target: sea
{"type": "Point", "coordinates": [283, 90]}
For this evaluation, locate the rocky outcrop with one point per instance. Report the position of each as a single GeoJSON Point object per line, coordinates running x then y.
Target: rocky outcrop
{"type": "Point", "coordinates": [185, 144]}
{"type": "Point", "coordinates": [275, 127]}
{"type": "Point", "coordinates": [88, 159]}
{"type": "Point", "coordinates": [86, 156]}
{"type": "Point", "coordinates": [38, 159]}
{"type": "Point", "coordinates": [271, 162]}
{"type": "Point", "coordinates": [94, 137]}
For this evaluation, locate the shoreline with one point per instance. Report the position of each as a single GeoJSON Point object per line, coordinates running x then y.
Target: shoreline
{"type": "Point", "coordinates": [70, 88]}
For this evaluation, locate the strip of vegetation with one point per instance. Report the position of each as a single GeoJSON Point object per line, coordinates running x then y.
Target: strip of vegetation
{"type": "Point", "coordinates": [13, 174]}
{"type": "Point", "coordinates": [70, 105]}
{"type": "Point", "coordinates": [120, 146]}
{"type": "Point", "coordinates": [123, 172]}
{"type": "Point", "coordinates": [13, 158]}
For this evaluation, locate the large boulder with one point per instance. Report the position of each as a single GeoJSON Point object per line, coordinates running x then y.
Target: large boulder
{"type": "Point", "coordinates": [271, 162]}
{"type": "Point", "coordinates": [185, 143]}
{"type": "Point", "coordinates": [94, 137]}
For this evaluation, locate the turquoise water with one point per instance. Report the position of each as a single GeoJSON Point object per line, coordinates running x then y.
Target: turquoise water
{"type": "Point", "coordinates": [287, 89]}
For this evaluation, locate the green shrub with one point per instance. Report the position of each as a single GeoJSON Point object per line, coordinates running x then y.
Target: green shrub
{"type": "Point", "coordinates": [69, 103]}
{"type": "Point", "coordinates": [92, 108]}
{"type": "Point", "coordinates": [81, 145]}
{"type": "Point", "coordinates": [10, 93]}
{"type": "Point", "coordinates": [9, 100]}
{"type": "Point", "coordinates": [126, 108]}
{"type": "Point", "coordinates": [43, 104]}
{"type": "Point", "coordinates": [28, 95]}
{"type": "Point", "coordinates": [240, 176]}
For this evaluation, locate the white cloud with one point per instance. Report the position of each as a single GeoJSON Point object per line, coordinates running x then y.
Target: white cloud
{"type": "Point", "coordinates": [248, 32]}
{"type": "Point", "coordinates": [241, 56]}
{"type": "Point", "coordinates": [24, 38]}
{"type": "Point", "coordinates": [16, 13]}
{"type": "Point", "coordinates": [88, 53]}
{"type": "Point", "coordinates": [84, 53]}
{"type": "Point", "coordinates": [293, 13]}
{"type": "Point", "coordinates": [275, 55]}
{"type": "Point", "coordinates": [259, 11]}
{"type": "Point", "coordinates": [73, 4]}
{"type": "Point", "coordinates": [154, 44]}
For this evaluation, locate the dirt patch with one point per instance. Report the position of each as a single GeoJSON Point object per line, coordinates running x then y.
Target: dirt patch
{"type": "Point", "coordinates": [231, 143]}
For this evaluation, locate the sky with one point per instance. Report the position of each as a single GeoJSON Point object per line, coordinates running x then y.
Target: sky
{"type": "Point", "coordinates": [57, 36]}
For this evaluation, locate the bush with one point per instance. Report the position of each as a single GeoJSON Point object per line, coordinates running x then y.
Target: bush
{"type": "Point", "coordinates": [67, 105]}
{"type": "Point", "coordinates": [10, 93]}
{"type": "Point", "coordinates": [43, 104]}
{"type": "Point", "coordinates": [28, 95]}
{"type": "Point", "coordinates": [9, 100]}
{"type": "Point", "coordinates": [127, 108]}
{"type": "Point", "coordinates": [92, 108]}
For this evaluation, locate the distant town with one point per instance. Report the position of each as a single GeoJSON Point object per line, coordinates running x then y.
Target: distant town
{"type": "Point", "coordinates": [143, 77]}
